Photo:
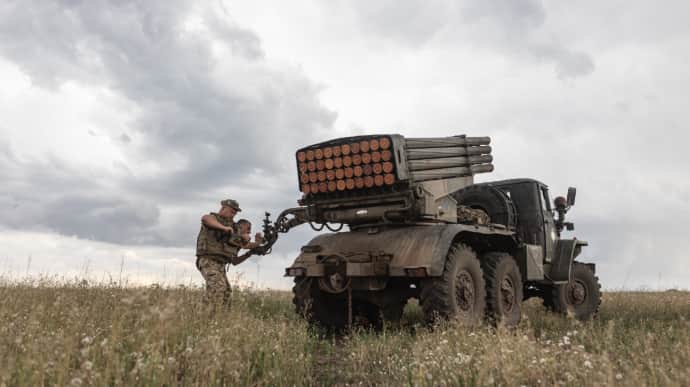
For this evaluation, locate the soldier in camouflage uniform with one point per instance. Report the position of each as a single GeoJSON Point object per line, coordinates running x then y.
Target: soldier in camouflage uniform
{"type": "Point", "coordinates": [218, 243]}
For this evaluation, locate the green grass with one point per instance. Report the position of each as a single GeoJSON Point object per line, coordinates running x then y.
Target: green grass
{"type": "Point", "coordinates": [61, 334]}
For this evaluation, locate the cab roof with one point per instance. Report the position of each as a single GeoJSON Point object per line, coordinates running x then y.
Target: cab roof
{"type": "Point", "coordinates": [514, 182]}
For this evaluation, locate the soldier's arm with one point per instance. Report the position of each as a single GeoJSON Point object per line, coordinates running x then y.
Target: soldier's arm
{"type": "Point", "coordinates": [251, 245]}
{"type": "Point", "coordinates": [258, 238]}
{"type": "Point", "coordinates": [210, 221]}
{"type": "Point", "coordinates": [239, 259]}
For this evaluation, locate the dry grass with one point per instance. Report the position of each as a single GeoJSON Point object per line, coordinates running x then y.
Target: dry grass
{"type": "Point", "coordinates": [76, 334]}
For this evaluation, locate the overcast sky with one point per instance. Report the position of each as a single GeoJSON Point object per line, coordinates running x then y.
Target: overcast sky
{"type": "Point", "coordinates": [122, 122]}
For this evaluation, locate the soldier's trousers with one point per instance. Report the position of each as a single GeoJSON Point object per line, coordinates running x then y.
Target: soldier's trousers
{"type": "Point", "coordinates": [217, 286]}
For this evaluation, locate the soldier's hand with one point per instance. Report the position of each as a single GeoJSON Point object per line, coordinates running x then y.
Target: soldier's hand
{"type": "Point", "coordinates": [259, 237]}
{"type": "Point", "coordinates": [229, 229]}
{"type": "Point", "coordinates": [246, 237]}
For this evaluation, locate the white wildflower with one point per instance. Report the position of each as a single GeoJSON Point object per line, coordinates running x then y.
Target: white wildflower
{"type": "Point", "coordinates": [588, 364]}
{"type": "Point", "coordinates": [619, 377]}
{"type": "Point", "coordinates": [87, 340]}
{"type": "Point", "coordinates": [75, 382]}
{"type": "Point", "coordinates": [87, 365]}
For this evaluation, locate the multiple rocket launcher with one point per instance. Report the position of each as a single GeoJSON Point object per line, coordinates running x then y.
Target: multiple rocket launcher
{"type": "Point", "coordinates": [346, 166]}
{"type": "Point", "coordinates": [372, 162]}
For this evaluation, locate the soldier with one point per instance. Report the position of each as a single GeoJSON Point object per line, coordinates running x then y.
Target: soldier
{"type": "Point", "coordinates": [218, 243]}
{"type": "Point", "coordinates": [245, 229]}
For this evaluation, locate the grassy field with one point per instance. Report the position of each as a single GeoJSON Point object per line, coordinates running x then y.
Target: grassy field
{"type": "Point", "coordinates": [83, 335]}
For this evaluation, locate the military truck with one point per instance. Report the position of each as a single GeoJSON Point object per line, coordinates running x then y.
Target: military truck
{"type": "Point", "coordinates": [419, 227]}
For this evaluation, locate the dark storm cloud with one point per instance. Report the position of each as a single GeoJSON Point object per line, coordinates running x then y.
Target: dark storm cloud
{"type": "Point", "coordinates": [50, 194]}
{"type": "Point", "coordinates": [210, 109]}
{"type": "Point", "coordinates": [507, 26]}
{"type": "Point", "coordinates": [144, 50]}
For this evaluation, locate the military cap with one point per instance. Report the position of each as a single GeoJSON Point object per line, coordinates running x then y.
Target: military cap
{"type": "Point", "coordinates": [231, 203]}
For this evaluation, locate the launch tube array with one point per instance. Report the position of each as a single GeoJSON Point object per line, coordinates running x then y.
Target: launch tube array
{"type": "Point", "coordinates": [447, 157]}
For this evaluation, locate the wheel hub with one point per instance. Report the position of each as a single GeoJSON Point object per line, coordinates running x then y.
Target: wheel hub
{"type": "Point", "coordinates": [577, 292]}
{"type": "Point", "coordinates": [507, 294]}
{"type": "Point", "coordinates": [464, 291]}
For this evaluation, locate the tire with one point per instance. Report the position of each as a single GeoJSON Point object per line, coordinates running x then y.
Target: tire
{"type": "Point", "coordinates": [393, 313]}
{"type": "Point", "coordinates": [503, 289]}
{"type": "Point", "coordinates": [579, 298]}
{"type": "Point", "coordinates": [318, 307]}
{"type": "Point", "coordinates": [458, 294]}
{"type": "Point", "coordinates": [366, 315]}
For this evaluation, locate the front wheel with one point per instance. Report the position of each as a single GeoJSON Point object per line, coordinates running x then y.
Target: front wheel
{"type": "Point", "coordinates": [580, 297]}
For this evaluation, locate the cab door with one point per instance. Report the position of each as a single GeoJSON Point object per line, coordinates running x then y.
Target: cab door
{"type": "Point", "coordinates": [550, 234]}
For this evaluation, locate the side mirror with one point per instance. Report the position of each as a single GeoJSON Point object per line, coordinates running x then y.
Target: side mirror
{"type": "Point", "coordinates": [571, 196]}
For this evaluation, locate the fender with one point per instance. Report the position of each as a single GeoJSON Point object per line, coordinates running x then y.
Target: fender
{"type": "Point", "coordinates": [389, 251]}
{"type": "Point", "coordinates": [565, 252]}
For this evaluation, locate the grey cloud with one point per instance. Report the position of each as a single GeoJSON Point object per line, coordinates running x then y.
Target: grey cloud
{"type": "Point", "coordinates": [513, 18]}
{"type": "Point", "coordinates": [511, 27]}
{"type": "Point", "coordinates": [50, 194]}
{"type": "Point", "coordinates": [107, 218]}
{"type": "Point", "coordinates": [144, 51]}
{"type": "Point", "coordinates": [568, 63]}
{"type": "Point", "coordinates": [125, 138]}
{"type": "Point", "coordinates": [411, 22]}
{"type": "Point", "coordinates": [206, 120]}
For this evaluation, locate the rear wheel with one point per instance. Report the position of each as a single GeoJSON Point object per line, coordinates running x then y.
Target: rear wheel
{"type": "Point", "coordinates": [579, 298]}
{"type": "Point", "coordinates": [503, 289]}
{"type": "Point", "coordinates": [393, 312]}
{"type": "Point", "coordinates": [458, 293]}
{"type": "Point", "coordinates": [318, 307]}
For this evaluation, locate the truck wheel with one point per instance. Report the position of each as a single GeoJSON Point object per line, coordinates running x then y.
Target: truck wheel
{"type": "Point", "coordinates": [393, 312]}
{"type": "Point", "coordinates": [580, 297]}
{"type": "Point", "coordinates": [503, 289]}
{"type": "Point", "coordinates": [459, 292]}
{"type": "Point", "coordinates": [366, 315]}
{"type": "Point", "coordinates": [319, 308]}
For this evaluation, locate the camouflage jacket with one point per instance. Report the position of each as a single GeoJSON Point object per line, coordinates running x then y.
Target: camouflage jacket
{"type": "Point", "coordinates": [218, 243]}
